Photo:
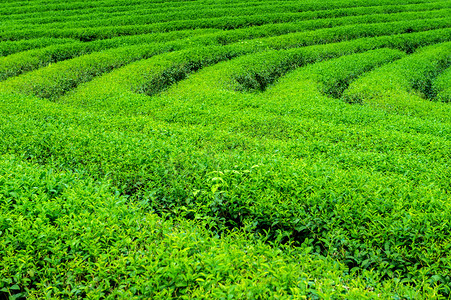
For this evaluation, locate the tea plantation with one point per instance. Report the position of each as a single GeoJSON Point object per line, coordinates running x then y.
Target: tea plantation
{"type": "Point", "coordinates": [227, 149]}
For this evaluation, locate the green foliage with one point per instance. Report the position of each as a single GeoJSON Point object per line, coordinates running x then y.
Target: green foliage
{"type": "Point", "coordinates": [247, 150]}
{"type": "Point", "coordinates": [88, 31]}
{"type": "Point", "coordinates": [26, 61]}
{"type": "Point", "coordinates": [334, 76]}
{"type": "Point", "coordinates": [407, 82]}
{"type": "Point", "coordinates": [441, 87]}
{"type": "Point", "coordinates": [11, 47]}
{"type": "Point", "coordinates": [65, 235]}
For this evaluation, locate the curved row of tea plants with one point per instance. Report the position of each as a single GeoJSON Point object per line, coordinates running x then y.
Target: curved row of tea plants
{"type": "Point", "coordinates": [190, 13]}
{"type": "Point", "coordinates": [48, 82]}
{"type": "Point", "coordinates": [225, 23]}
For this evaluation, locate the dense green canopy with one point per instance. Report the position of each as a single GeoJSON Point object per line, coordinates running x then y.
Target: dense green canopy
{"type": "Point", "coordinates": [225, 149]}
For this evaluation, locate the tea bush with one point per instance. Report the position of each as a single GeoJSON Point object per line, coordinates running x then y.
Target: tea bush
{"type": "Point", "coordinates": [406, 81]}
{"type": "Point", "coordinates": [22, 62]}
{"type": "Point", "coordinates": [64, 235]}
{"type": "Point", "coordinates": [440, 86]}
{"type": "Point", "coordinates": [11, 47]}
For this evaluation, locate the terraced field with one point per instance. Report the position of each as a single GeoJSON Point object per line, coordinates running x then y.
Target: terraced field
{"type": "Point", "coordinates": [225, 149]}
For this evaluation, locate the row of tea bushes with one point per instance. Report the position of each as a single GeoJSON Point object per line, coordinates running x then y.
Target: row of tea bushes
{"type": "Point", "coordinates": [64, 235]}
{"type": "Point", "coordinates": [225, 23]}
{"type": "Point", "coordinates": [168, 163]}
{"type": "Point", "coordinates": [11, 47]}
{"type": "Point", "coordinates": [403, 85]}
{"type": "Point", "coordinates": [323, 206]}
{"type": "Point", "coordinates": [55, 80]}
{"type": "Point", "coordinates": [26, 61]}
{"type": "Point", "coordinates": [249, 73]}
{"type": "Point", "coordinates": [441, 87]}
{"type": "Point", "coordinates": [186, 12]}
{"type": "Point", "coordinates": [334, 76]}
{"type": "Point", "coordinates": [16, 64]}
{"type": "Point", "coordinates": [259, 71]}
{"type": "Point", "coordinates": [112, 6]}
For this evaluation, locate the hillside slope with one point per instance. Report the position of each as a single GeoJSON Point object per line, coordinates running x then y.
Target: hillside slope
{"type": "Point", "coordinates": [225, 149]}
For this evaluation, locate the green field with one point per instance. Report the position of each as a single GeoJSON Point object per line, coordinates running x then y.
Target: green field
{"type": "Point", "coordinates": [227, 149]}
